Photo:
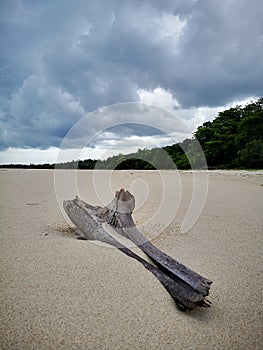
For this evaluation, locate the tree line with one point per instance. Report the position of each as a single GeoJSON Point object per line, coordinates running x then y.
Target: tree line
{"type": "Point", "coordinates": [234, 139]}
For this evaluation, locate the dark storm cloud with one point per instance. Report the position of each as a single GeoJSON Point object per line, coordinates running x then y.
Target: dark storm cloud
{"type": "Point", "coordinates": [221, 47]}
{"type": "Point", "coordinates": [62, 59]}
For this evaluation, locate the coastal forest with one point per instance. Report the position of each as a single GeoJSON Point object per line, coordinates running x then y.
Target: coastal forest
{"type": "Point", "coordinates": [233, 140]}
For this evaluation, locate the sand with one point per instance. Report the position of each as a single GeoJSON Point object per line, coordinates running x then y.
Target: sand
{"type": "Point", "coordinates": [58, 292]}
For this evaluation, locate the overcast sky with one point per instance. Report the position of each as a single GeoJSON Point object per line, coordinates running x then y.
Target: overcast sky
{"type": "Point", "coordinates": [61, 60]}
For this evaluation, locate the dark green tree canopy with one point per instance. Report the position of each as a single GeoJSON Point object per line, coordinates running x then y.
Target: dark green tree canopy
{"type": "Point", "coordinates": [226, 141]}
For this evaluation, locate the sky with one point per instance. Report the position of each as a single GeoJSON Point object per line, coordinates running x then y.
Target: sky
{"type": "Point", "coordinates": [93, 63]}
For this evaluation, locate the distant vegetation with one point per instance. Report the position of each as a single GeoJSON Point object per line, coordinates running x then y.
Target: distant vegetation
{"type": "Point", "coordinates": [234, 139]}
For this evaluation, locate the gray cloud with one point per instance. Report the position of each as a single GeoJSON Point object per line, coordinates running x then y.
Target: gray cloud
{"type": "Point", "coordinates": [62, 59]}
{"type": "Point", "coordinates": [221, 49]}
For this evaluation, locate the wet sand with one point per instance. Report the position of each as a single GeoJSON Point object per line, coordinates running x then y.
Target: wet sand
{"type": "Point", "coordinates": [58, 292]}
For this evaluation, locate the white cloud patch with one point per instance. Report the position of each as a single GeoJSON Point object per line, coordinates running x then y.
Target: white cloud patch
{"type": "Point", "coordinates": [27, 156]}
{"type": "Point", "coordinates": [169, 26]}
{"type": "Point", "coordinates": [158, 97]}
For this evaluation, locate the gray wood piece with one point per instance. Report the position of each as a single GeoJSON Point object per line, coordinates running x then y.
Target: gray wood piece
{"type": "Point", "coordinates": [120, 216]}
{"type": "Point", "coordinates": [187, 288]}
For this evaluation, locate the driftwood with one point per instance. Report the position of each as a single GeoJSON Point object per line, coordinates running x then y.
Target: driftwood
{"type": "Point", "coordinates": [186, 287]}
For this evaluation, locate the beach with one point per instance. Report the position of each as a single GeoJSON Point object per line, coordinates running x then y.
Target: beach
{"type": "Point", "coordinates": [59, 292]}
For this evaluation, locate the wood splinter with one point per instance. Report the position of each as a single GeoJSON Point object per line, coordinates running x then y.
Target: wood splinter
{"type": "Point", "coordinates": [186, 287]}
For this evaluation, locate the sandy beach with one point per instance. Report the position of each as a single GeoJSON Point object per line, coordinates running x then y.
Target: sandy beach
{"type": "Point", "coordinates": [58, 292]}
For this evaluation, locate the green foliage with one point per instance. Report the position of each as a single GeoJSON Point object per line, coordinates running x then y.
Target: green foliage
{"type": "Point", "coordinates": [135, 164]}
{"type": "Point", "coordinates": [86, 164]}
{"type": "Point", "coordinates": [81, 164]}
{"type": "Point", "coordinates": [230, 140]}
{"type": "Point", "coordinates": [146, 159]}
{"type": "Point", "coordinates": [251, 156]}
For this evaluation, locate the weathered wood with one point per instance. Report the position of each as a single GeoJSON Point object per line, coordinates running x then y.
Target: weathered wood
{"type": "Point", "coordinates": [90, 221]}
{"type": "Point", "coordinates": [120, 210]}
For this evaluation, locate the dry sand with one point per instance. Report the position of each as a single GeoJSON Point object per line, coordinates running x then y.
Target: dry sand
{"type": "Point", "coordinates": [58, 292]}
